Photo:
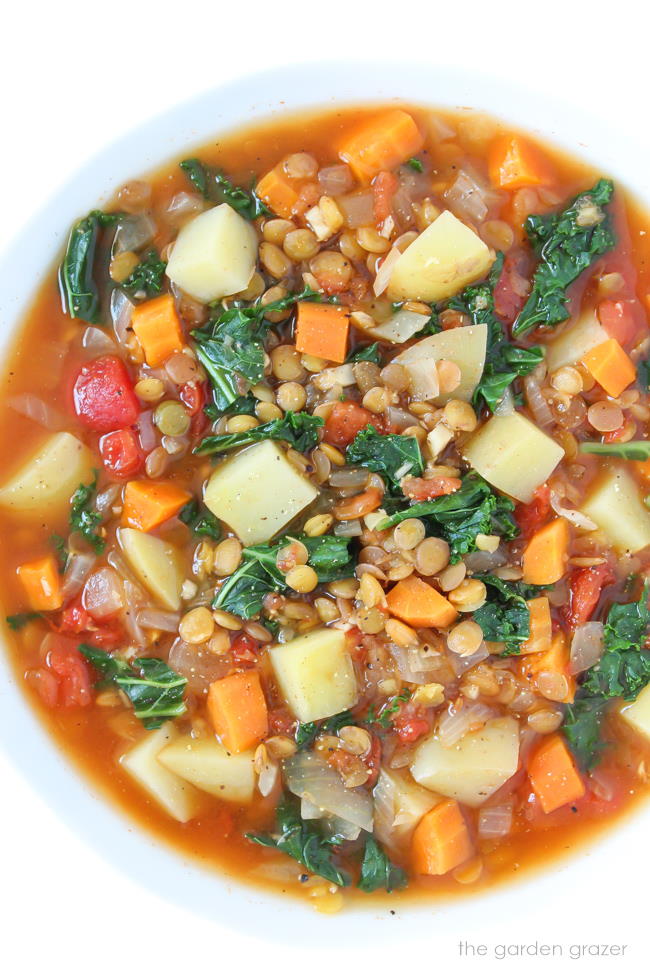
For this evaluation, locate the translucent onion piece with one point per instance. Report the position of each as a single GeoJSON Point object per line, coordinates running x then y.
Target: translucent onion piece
{"type": "Point", "coordinates": [182, 206]}
{"type": "Point", "coordinates": [461, 664]}
{"type": "Point", "coordinates": [538, 405]}
{"type": "Point", "coordinates": [97, 341]}
{"type": "Point", "coordinates": [77, 570]}
{"type": "Point", "coordinates": [385, 271]}
{"type": "Point", "coordinates": [308, 810]}
{"type": "Point", "coordinates": [157, 619]}
{"type": "Point", "coordinates": [466, 197]}
{"type": "Point", "coordinates": [34, 408]}
{"type": "Point", "coordinates": [134, 232]}
{"type": "Point", "coordinates": [586, 647]}
{"type": "Point", "coordinates": [495, 821]}
{"type": "Point", "coordinates": [338, 375]}
{"type": "Point", "coordinates": [349, 477]}
{"type": "Point", "coordinates": [103, 594]}
{"type": "Point", "coordinates": [310, 777]}
{"type": "Point", "coordinates": [485, 561]}
{"type": "Point", "coordinates": [506, 405]}
{"type": "Point", "coordinates": [358, 209]}
{"type": "Point", "coordinates": [400, 419]}
{"type": "Point", "coordinates": [335, 180]}
{"type": "Point", "coordinates": [147, 433]}
{"type": "Point", "coordinates": [199, 666]}
{"type": "Point", "coordinates": [121, 311]}
{"type": "Point", "coordinates": [107, 498]}
{"type": "Point", "coordinates": [421, 672]}
{"type": "Point", "coordinates": [603, 784]}
{"type": "Point", "coordinates": [454, 723]}
{"type": "Point", "coordinates": [577, 519]}
{"type": "Point", "coordinates": [349, 529]}
{"type": "Point", "coordinates": [338, 830]}
{"type": "Point", "coordinates": [135, 599]}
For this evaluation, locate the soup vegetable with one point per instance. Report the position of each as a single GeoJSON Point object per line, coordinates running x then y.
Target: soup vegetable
{"type": "Point", "coordinates": [324, 502]}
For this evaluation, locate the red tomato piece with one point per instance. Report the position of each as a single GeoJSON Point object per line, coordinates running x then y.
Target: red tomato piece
{"type": "Point", "coordinates": [281, 722]}
{"type": "Point", "coordinates": [424, 489]}
{"type": "Point", "coordinates": [65, 679]}
{"type": "Point", "coordinates": [45, 684]}
{"type": "Point", "coordinates": [409, 729]}
{"type": "Point", "coordinates": [532, 516]}
{"type": "Point", "coordinates": [244, 650]}
{"type": "Point", "coordinates": [384, 188]}
{"type": "Point", "coordinates": [193, 396]}
{"type": "Point", "coordinates": [622, 320]}
{"type": "Point", "coordinates": [508, 300]}
{"type": "Point", "coordinates": [345, 421]}
{"type": "Point", "coordinates": [75, 618]}
{"type": "Point", "coordinates": [103, 395]}
{"type": "Point", "coordinates": [120, 452]}
{"type": "Point", "coordinates": [585, 588]}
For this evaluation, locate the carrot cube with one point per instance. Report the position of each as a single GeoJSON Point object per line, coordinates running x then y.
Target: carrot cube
{"type": "Point", "coordinates": [541, 626]}
{"type": "Point", "coordinates": [417, 603]}
{"type": "Point", "coordinates": [148, 504]}
{"type": "Point", "coordinates": [322, 330]}
{"type": "Point", "coordinates": [41, 582]}
{"type": "Point", "coordinates": [611, 366]}
{"type": "Point", "coordinates": [555, 660]}
{"type": "Point", "coordinates": [381, 143]}
{"type": "Point", "coordinates": [553, 775]}
{"type": "Point", "coordinates": [514, 162]}
{"type": "Point", "coordinates": [238, 711]}
{"type": "Point", "coordinates": [545, 556]}
{"type": "Point", "coordinates": [158, 328]}
{"type": "Point", "coordinates": [441, 840]}
{"type": "Point", "coordinates": [278, 192]}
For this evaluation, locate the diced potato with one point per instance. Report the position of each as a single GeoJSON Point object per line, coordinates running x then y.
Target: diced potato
{"type": "Point", "coordinates": [513, 455]}
{"type": "Point", "coordinates": [637, 714]}
{"type": "Point", "coordinates": [570, 347]}
{"type": "Point", "coordinates": [400, 804]}
{"type": "Point", "coordinates": [157, 564]}
{"type": "Point", "coordinates": [615, 504]}
{"type": "Point", "coordinates": [465, 346]}
{"type": "Point", "coordinates": [206, 764]}
{"type": "Point", "coordinates": [257, 492]}
{"type": "Point", "coordinates": [441, 261]}
{"type": "Point", "coordinates": [214, 254]}
{"type": "Point", "coordinates": [176, 796]}
{"type": "Point", "coordinates": [472, 770]}
{"type": "Point", "coordinates": [315, 674]}
{"type": "Point", "coordinates": [49, 478]}
{"type": "Point", "coordinates": [400, 327]}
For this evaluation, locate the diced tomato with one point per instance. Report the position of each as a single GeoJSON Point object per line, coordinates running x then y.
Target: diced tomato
{"type": "Point", "coordinates": [345, 421]}
{"type": "Point", "coordinates": [281, 722]}
{"type": "Point", "coordinates": [613, 436]}
{"type": "Point", "coordinates": [423, 489]}
{"type": "Point", "coordinates": [355, 644]}
{"type": "Point", "coordinates": [508, 300]}
{"type": "Point", "coordinates": [103, 395]}
{"type": "Point", "coordinates": [76, 619]}
{"type": "Point", "coordinates": [245, 650]}
{"type": "Point", "coordinates": [193, 396]}
{"type": "Point", "coordinates": [65, 679]}
{"type": "Point", "coordinates": [410, 728]}
{"type": "Point", "coordinates": [531, 516]}
{"type": "Point", "coordinates": [384, 188]}
{"type": "Point", "coordinates": [120, 452]}
{"type": "Point", "coordinates": [585, 588]}
{"type": "Point", "coordinates": [622, 320]}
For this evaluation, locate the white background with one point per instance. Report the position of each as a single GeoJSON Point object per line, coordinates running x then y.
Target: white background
{"type": "Point", "coordinates": [73, 76]}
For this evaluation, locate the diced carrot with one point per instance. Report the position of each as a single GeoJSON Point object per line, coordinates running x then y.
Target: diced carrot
{"type": "Point", "coordinates": [545, 556]}
{"type": "Point", "coordinates": [643, 469]}
{"type": "Point", "coordinates": [381, 143]}
{"type": "Point", "coordinates": [383, 188]}
{"type": "Point", "coordinates": [345, 421]}
{"type": "Point", "coordinates": [610, 366]}
{"type": "Point", "coordinates": [42, 584]}
{"type": "Point", "coordinates": [322, 330]}
{"type": "Point", "coordinates": [541, 626]}
{"type": "Point", "coordinates": [514, 162]}
{"type": "Point", "coordinates": [555, 660]}
{"type": "Point", "coordinates": [416, 602]}
{"type": "Point", "coordinates": [441, 840]}
{"type": "Point", "coordinates": [359, 505]}
{"type": "Point", "coordinates": [278, 192]}
{"type": "Point", "coordinates": [148, 504]}
{"type": "Point", "coordinates": [553, 774]}
{"type": "Point", "coordinates": [158, 328]}
{"type": "Point", "coordinates": [238, 711]}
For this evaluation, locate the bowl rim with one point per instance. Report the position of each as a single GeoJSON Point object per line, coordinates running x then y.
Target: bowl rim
{"type": "Point", "coordinates": [28, 746]}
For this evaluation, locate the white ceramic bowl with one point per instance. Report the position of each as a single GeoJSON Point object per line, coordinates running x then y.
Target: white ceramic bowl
{"type": "Point", "coordinates": [30, 256]}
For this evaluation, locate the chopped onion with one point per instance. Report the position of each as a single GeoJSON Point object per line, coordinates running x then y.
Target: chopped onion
{"type": "Point", "coordinates": [358, 209]}
{"type": "Point", "coordinates": [586, 647]}
{"type": "Point", "coordinates": [385, 271]}
{"type": "Point", "coordinates": [157, 619]}
{"type": "Point", "coordinates": [78, 568]}
{"type": "Point", "coordinates": [495, 821]}
{"type": "Point", "coordinates": [577, 519]}
{"type": "Point", "coordinates": [134, 232]}
{"type": "Point", "coordinates": [603, 784]}
{"type": "Point", "coordinates": [147, 433]}
{"type": "Point", "coordinates": [34, 408]}
{"type": "Point", "coordinates": [182, 206]}
{"type": "Point", "coordinates": [455, 723]}
{"type": "Point", "coordinates": [337, 829]}
{"type": "Point", "coordinates": [403, 205]}
{"type": "Point", "coordinates": [97, 341]}
{"type": "Point", "coordinates": [199, 666]}
{"type": "Point", "coordinates": [461, 664]}
{"type": "Point", "coordinates": [337, 375]}
{"type": "Point", "coordinates": [309, 776]}
{"type": "Point", "coordinates": [466, 198]}
{"type": "Point", "coordinates": [400, 327]}
{"type": "Point", "coordinates": [405, 660]}
{"type": "Point", "coordinates": [309, 810]}
{"type": "Point", "coordinates": [335, 180]}
{"type": "Point", "coordinates": [400, 419]}
{"type": "Point", "coordinates": [349, 477]}
{"type": "Point", "coordinates": [506, 405]}
{"type": "Point", "coordinates": [121, 311]}
{"type": "Point", "coordinates": [538, 405]}
{"type": "Point", "coordinates": [485, 561]}
{"type": "Point", "coordinates": [349, 529]}
{"type": "Point", "coordinates": [135, 599]}
{"type": "Point", "coordinates": [107, 498]}
{"type": "Point", "coordinates": [103, 595]}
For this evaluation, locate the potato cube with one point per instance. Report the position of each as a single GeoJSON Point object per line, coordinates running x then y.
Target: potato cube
{"type": "Point", "coordinates": [400, 804]}
{"type": "Point", "coordinates": [465, 346]}
{"type": "Point", "coordinates": [513, 455]}
{"type": "Point", "coordinates": [206, 764]}
{"type": "Point", "coordinates": [49, 478]}
{"type": "Point", "coordinates": [315, 674]}
{"type": "Point", "coordinates": [571, 346]}
{"type": "Point", "coordinates": [615, 504]}
{"type": "Point", "coordinates": [157, 564]}
{"type": "Point", "coordinates": [257, 492]}
{"type": "Point", "coordinates": [176, 796]}
{"type": "Point", "coordinates": [637, 714]}
{"type": "Point", "coordinates": [440, 262]}
{"type": "Point", "coordinates": [473, 769]}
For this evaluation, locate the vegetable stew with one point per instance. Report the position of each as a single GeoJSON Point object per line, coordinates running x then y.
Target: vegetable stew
{"type": "Point", "coordinates": [324, 502]}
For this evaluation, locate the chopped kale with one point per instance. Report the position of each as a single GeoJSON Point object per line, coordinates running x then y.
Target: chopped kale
{"type": "Point", "coordinates": [386, 713]}
{"type": "Point", "coordinates": [391, 455]}
{"type": "Point", "coordinates": [632, 450]}
{"type": "Point", "coordinates": [77, 273]}
{"type": "Point", "coordinates": [505, 617]}
{"type": "Point", "coordinates": [415, 164]}
{"type": "Point", "coordinates": [367, 353]}
{"type": "Point", "coordinates": [18, 620]}
{"type": "Point", "coordinates": [147, 277]}
{"type": "Point", "coordinates": [300, 430]}
{"type": "Point", "coordinates": [215, 186]}
{"type": "Point", "coordinates": [83, 518]}
{"type": "Point", "coordinates": [200, 520]}
{"type": "Point", "coordinates": [307, 731]}
{"type": "Point", "coordinates": [60, 548]}
{"type": "Point", "coordinates": [377, 871]}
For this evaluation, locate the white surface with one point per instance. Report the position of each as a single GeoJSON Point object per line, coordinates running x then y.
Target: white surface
{"type": "Point", "coordinates": [76, 76]}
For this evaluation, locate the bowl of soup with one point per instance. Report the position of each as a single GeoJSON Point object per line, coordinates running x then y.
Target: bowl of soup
{"type": "Point", "coordinates": [324, 495]}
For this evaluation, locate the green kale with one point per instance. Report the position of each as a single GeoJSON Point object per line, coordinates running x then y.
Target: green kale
{"type": "Point", "coordinates": [83, 518]}
{"type": "Point", "coordinates": [504, 362]}
{"type": "Point", "coordinates": [155, 691]}
{"type": "Point", "coordinates": [18, 620]}
{"type": "Point", "coordinates": [303, 841]}
{"type": "Point", "coordinates": [391, 455]}
{"type": "Point", "coordinates": [643, 373]}
{"type": "Point", "coordinates": [300, 430]}
{"type": "Point", "coordinates": [367, 353]}
{"type": "Point", "coordinates": [377, 871]}
{"type": "Point", "coordinates": [200, 520]}
{"type": "Point", "coordinates": [566, 243]}
{"type": "Point", "coordinates": [60, 548]}
{"type": "Point", "coordinates": [384, 716]}
{"type": "Point", "coordinates": [632, 450]}
{"type": "Point", "coordinates": [505, 617]}
{"type": "Point", "coordinates": [242, 404]}
{"type": "Point", "coordinates": [415, 164]}
{"type": "Point", "coordinates": [77, 273]}
{"type": "Point", "coordinates": [307, 731]}
{"type": "Point", "coordinates": [147, 277]}
{"type": "Point", "coordinates": [215, 186]}
{"type": "Point", "coordinates": [459, 517]}
{"type": "Point", "coordinates": [244, 591]}
{"type": "Point", "coordinates": [622, 672]}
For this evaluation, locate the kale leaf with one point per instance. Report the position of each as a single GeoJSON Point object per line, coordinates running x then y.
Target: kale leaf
{"type": "Point", "coordinates": [303, 841]}
{"type": "Point", "coordinates": [147, 276]}
{"type": "Point", "coordinates": [200, 520]}
{"type": "Point", "coordinates": [78, 285]}
{"type": "Point", "coordinates": [643, 373]}
{"type": "Point", "coordinates": [215, 186]}
{"type": "Point", "coordinates": [367, 353]}
{"type": "Point", "coordinates": [459, 517]}
{"type": "Point", "coordinates": [566, 243]}
{"type": "Point", "coordinates": [415, 164]}
{"type": "Point", "coordinates": [307, 731]}
{"type": "Point", "coordinates": [632, 450]}
{"type": "Point", "coordinates": [384, 716]}
{"type": "Point", "coordinates": [505, 617]}
{"type": "Point", "coordinates": [59, 545]}
{"type": "Point", "coordinates": [18, 620]}
{"type": "Point", "coordinates": [82, 516]}
{"type": "Point", "coordinates": [300, 430]}
{"type": "Point", "coordinates": [377, 871]}
{"type": "Point", "coordinates": [154, 689]}
{"type": "Point", "coordinates": [391, 455]}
